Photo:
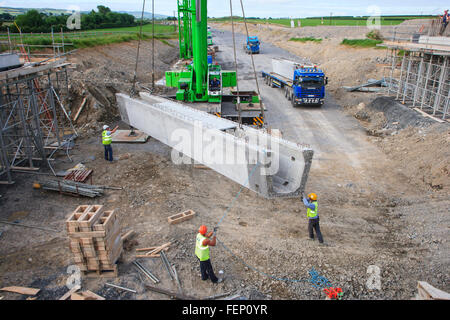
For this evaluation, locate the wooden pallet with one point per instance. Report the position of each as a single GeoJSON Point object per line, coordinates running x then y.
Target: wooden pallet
{"type": "Point", "coordinates": [112, 273]}
{"type": "Point", "coordinates": [180, 217]}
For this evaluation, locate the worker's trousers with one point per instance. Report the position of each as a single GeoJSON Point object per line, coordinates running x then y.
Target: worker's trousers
{"type": "Point", "coordinates": [314, 225]}
{"type": "Point", "coordinates": [207, 271]}
{"type": "Point", "coordinates": [108, 152]}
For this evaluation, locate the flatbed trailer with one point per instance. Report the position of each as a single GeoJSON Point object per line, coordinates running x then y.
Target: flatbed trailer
{"type": "Point", "coordinates": [227, 109]}
{"type": "Point", "coordinates": [276, 80]}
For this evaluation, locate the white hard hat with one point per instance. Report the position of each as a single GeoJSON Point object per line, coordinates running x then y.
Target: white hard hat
{"type": "Point", "coordinates": [105, 127]}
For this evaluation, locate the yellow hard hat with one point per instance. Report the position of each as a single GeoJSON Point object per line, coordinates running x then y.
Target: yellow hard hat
{"type": "Point", "coordinates": [312, 196]}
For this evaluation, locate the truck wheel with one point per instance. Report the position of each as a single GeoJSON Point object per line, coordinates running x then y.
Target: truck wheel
{"type": "Point", "coordinates": [293, 101]}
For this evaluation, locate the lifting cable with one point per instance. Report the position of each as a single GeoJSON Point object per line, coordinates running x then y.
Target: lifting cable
{"type": "Point", "coordinates": [235, 65]}
{"type": "Point", "coordinates": [153, 44]}
{"type": "Point", "coordinates": [253, 64]}
{"type": "Point", "coordinates": [133, 88]}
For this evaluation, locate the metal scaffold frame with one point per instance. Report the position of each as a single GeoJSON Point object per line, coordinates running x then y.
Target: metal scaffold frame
{"type": "Point", "coordinates": [34, 124]}
{"type": "Point", "coordinates": [421, 80]}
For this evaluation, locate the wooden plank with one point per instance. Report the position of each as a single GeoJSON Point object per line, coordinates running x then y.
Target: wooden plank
{"type": "Point", "coordinates": [77, 296]}
{"type": "Point", "coordinates": [25, 169]}
{"type": "Point", "coordinates": [80, 109]}
{"type": "Point", "coordinates": [127, 235]}
{"type": "Point", "coordinates": [431, 292]}
{"type": "Point", "coordinates": [428, 115]}
{"type": "Point", "coordinates": [91, 294]}
{"type": "Point", "coordinates": [21, 290]}
{"type": "Point", "coordinates": [69, 293]}
{"type": "Point", "coordinates": [92, 234]}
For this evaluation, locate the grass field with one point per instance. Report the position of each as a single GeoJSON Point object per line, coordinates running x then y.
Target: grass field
{"type": "Point", "coordinates": [92, 38]}
{"type": "Point", "coordinates": [306, 39]}
{"type": "Point", "coordinates": [337, 21]}
{"type": "Point", "coordinates": [362, 43]}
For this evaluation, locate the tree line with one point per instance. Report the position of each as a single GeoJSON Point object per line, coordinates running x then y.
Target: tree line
{"type": "Point", "coordinates": [34, 21]}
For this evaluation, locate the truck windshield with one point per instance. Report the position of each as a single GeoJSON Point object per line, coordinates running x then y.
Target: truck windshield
{"type": "Point", "coordinates": [311, 82]}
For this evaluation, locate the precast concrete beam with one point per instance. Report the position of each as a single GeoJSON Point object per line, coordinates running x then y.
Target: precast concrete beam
{"type": "Point", "coordinates": [268, 165]}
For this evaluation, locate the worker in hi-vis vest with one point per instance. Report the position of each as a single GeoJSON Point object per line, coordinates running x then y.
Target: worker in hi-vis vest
{"type": "Point", "coordinates": [313, 216]}
{"type": "Point", "coordinates": [106, 140]}
{"type": "Point", "coordinates": [202, 244]}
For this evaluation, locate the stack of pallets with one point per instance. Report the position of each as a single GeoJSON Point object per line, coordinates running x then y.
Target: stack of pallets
{"type": "Point", "coordinates": [95, 240]}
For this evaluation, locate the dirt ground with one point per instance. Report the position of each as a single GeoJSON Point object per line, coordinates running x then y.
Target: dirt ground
{"type": "Point", "coordinates": [376, 206]}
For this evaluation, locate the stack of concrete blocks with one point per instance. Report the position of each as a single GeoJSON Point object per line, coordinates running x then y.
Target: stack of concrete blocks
{"type": "Point", "coordinates": [95, 240]}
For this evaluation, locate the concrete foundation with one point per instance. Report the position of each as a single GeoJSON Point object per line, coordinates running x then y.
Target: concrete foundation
{"type": "Point", "coordinates": [265, 164]}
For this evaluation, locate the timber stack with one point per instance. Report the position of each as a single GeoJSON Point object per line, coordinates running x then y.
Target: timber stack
{"type": "Point", "coordinates": [95, 240]}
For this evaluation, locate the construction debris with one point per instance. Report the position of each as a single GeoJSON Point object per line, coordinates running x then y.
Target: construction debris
{"type": "Point", "coordinates": [167, 265]}
{"type": "Point", "coordinates": [153, 252]}
{"type": "Point", "coordinates": [171, 294]}
{"type": "Point", "coordinates": [369, 86]}
{"type": "Point", "coordinates": [175, 273]}
{"type": "Point", "coordinates": [119, 287]}
{"type": "Point", "coordinates": [95, 240]}
{"type": "Point", "coordinates": [146, 272]}
{"type": "Point", "coordinates": [86, 295]}
{"type": "Point", "coordinates": [180, 217]}
{"type": "Point", "coordinates": [126, 235]}
{"type": "Point", "coordinates": [69, 293]}
{"type": "Point", "coordinates": [80, 109]}
{"type": "Point", "coordinates": [217, 296]}
{"type": "Point", "coordinates": [426, 291]}
{"type": "Point", "coordinates": [79, 175]}
{"type": "Point", "coordinates": [26, 226]}
{"type": "Point", "coordinates": [70, 187]}
{"type": "Point", "coordinates": [21, 290]}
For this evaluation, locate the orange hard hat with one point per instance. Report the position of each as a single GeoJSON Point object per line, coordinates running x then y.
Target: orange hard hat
{"type": "Point", "coordinates": [312, 196]}
{"type": "Point", "coordinates": [202, 230]}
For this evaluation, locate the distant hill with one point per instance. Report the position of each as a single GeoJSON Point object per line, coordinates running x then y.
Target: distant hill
{"type": "Point", "coordinates": [147, 15]}
{"type": "Point", "coordinates": [18, 11]}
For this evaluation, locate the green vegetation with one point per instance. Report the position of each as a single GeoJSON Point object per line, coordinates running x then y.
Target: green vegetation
{"type": "Point", "coordinates": [33, 21]}
{"type": "Point", "coordinates": [306, 39]}
{"type": "Point", "coordinates": [362, 43]}
{"type": "Point", "coordinates": [374, 35]}
{"type": "Point", "coordinates": [317, 21]}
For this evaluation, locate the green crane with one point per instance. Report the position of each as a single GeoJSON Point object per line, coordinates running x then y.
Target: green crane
{"type": "Point", "coordinates": [200, 81]}
{"type": "Point", "coordinates": [193, 82]}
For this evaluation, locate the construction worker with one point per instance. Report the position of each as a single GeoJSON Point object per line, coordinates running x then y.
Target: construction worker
{"type": "Point", "coordinates": [106, 140]}
{"type": "Point", "coordinates": [203, 242]}
{"type": "Point", "coordinates": [445, 19]}
{"type": "Point", "coordinates": [215, 84]}
{"type": "Point", "coordinates": [313, 216]}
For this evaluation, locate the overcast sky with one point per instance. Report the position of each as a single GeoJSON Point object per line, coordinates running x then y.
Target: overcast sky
{"type": "Point", "coordinates": [255, 8]}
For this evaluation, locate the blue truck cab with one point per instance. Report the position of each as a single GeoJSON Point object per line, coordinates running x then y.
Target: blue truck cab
{"type": "Point", "coordinates": [304, 86]}
{"type": "Point", "coordinates": [252, 45]}
{"type": "Point", "coordinates": [308, 86]}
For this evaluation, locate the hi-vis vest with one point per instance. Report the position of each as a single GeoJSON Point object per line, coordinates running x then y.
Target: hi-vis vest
{"type": "Point", "coordinates": [201, 251]}
{"type": "Point", "coordinates": [105, 138]}
{"type": "Point", "coordinates": [312, 213]}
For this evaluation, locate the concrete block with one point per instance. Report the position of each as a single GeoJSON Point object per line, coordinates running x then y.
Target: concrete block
{"type": "Point", "coordinates": [268, 165]}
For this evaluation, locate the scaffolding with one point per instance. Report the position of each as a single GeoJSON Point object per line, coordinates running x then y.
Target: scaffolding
{"type": "Point", "coordinates": [419, 77]}
{"type": "Point", "coordinates": [34, 123]}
